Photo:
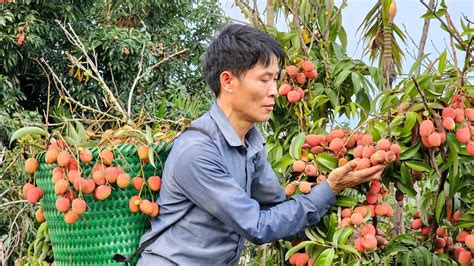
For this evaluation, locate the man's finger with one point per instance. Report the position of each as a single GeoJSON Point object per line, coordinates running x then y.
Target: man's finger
{"type": "Point", "coordinates": [362, 174]}
{"type": "Point", "coordinates": [348, 167]}
{"type": "Point", "coordinates": [375, 176]}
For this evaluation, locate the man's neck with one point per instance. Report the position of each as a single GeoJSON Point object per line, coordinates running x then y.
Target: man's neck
{"type": "Point", "coordinates": [240, 126]}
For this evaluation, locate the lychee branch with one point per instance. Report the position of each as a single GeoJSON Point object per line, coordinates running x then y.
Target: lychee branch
{"type": "Point", "coordinates": [75, 40]}
{"type": "Point", "coordinates": [140, 75]}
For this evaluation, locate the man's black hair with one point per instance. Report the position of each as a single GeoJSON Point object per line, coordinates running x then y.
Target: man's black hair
{"type": "Point", "coordinates": [237, 49]}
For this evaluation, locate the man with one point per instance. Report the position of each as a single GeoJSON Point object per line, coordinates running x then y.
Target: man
{"type": "Point", "coordinates": [218, 187]}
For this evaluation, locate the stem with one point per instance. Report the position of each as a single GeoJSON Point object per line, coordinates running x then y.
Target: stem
{"type": "Point", "coordinates": [140, 76]}
{"type": "Point", "coordinates": [424, 35]}
{"type": "Point", "coordinates": [297, 26]}
{"type": "Point", "coordinates": [459, 40]}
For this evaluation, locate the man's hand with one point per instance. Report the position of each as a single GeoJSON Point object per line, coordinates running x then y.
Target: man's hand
{"type": "Point", "coordinates": [345, 176]}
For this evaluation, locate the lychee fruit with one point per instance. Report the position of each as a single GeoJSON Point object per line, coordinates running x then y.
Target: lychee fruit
{"type": "Point", "coordinates": [79, 206]}
{"type": "Point", "coordinates": [39, 215]}
{"type": "Point", "coordinates": [416, 224]}
{"type": "Point", "coordinates": [384, 144]}
{"type": "Point", "coordinates": [368, 229]}
{"type": "Point", "coordinates": [134, 204]}
{"type": "Point", "coordinates": [448, 123]}
{"type": "Point", "coordinates": [320, 179]}
{"type": "Point", "coordinates": [63, 158]}
{"type": "Point", "coordinates": [366, 140]}
{"type": "Point", "coordinates": [300, 78]}
{"type": "Point", "coordinates": [102, 192]}
{"type": "Point", "coordinates": [465, 257]}
{"type": "Point", "coordinates": [470, 148]}
{"type": "Point", "coordinates": [459, 115]}
{"type": "Point", "coordinates": [99, 177]}
{"type": "Point", "coordinates": [62, 204]}
{"type": "Point", "coordinates": [26, 188]}
{"type": "Point", "coordinates": [298, 166]}
{"type": "Point", "coordinates": [34, 194]}
{"type": "Point", "coordinates": [369, 242]}
{"type": "Point", "coordinates": [305, 187]}
{"type": "Point", "coordinates": [311, 74]}
{"type": "Point", "coordinates": [293, 96]}
{"type": "Point", "coordinates": [71, 217]}
{"type": "Point", "coordinates": [284, 89]}
{"type": "Point", "coordinates": [448, 112]}
{"type": "Point", "coordinates": [51, 156]}
{"type": "Point", "coordinates": [143, 153]}
{"type": "Point", "coordinates": [123, 180]}
{"type": "Point", "coordinates": [310, 170]}
{"type": "Point", "coordinates": [346, 213]}
{"type": "Point", "coordinates": [111, 174]}
{"type": "Point", "coordinates": [31, 165]}
{"type": "Point", "coordinates": [156, 209]}
{"type": "Point", "coordinates": [146, 207]}
{"type": "Point", "coordinates": [463, 135]}
{"type": "Point", "coordinates": [434, 139]}
{"type": "Point", "coordinates": [137, 182]}
{"type": "Point", "coordinates": [107, 156]}
{"type": "Point", "coordinates": [358, 245]}
{"type": "Point", "coordinates": [61, 187]}
{"type": "Point", "coordinates": [154, 182]}
{"type": "Point", "coordinates": [292, 70]}
{"type": "Point", "coordinates": [356, 218]}
{"type": "Point", "coordinates": [85, 155]}
{"type": "Point", "coordinates": [469, 112]}
{"type": "Point", "coordinates": [426, 128]}
{"type": "Point", "coordinates": [290, 189]}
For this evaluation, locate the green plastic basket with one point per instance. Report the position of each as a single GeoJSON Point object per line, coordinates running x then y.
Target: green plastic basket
{"type": "Point", "coordinates": [107, 227]}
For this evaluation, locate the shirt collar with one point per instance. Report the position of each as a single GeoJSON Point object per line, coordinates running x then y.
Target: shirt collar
{"type": "Point", "coordinates": [253, 136]}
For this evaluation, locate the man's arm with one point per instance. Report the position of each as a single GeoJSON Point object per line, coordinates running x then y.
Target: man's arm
{"type": "Point", "coordinates": [204, 180]}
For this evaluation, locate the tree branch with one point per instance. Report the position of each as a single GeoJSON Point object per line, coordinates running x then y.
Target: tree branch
{"type": "Point", "coordinates": [459, 40]}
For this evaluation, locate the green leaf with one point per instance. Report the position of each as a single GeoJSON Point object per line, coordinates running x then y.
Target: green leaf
{"type": "Point", "coordinates": [440, 205]}
{"type": "Point", "coordinates": [326, 162]}
{"type": "Point", "coordinates": [410, 152]}
{"type": "Point", "coordinates": [442, 63]}
{"type": "Point", "coordinates": [332, 97]}
{"type": "Point", "coordinates": [418, 257]}
{"type": "Point", "coordinates": [285, 161]}
{"type": "Point", "coordinates": [430, 15]}
{"type": "Point", "coordinates": [453, 153]}
{"type": "Point", "coordinates": [344, 235]}
{"type": "Point", "coordinates": [415, 68]}
{"type": "Point", "coordinates": [32, 131]}
{"type": "Point", "coordinates": [346, 201]}
{"type": "Point", "coordinates": [295, 146]}
{"type": "Point", "coordinates": [325, 258]}
{"type": "Point", "coordinates": [149, 135]}
{"type": "Point", "coordinates": [410, 120]}
{"type": "Point", "coordinates": [418, 166]}
{"type": "Point", "coordinates": [425, 206]}
{"type": "Point", "coordinates": [295, 249]}
{"type": "Point", "coordinates": [408, 258]}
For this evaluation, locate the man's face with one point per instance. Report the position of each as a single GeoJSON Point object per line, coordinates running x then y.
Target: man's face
{"type": "Point", "coordinates": [254, 93]}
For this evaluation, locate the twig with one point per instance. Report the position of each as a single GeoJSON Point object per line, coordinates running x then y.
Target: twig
{"type": "Point", "coordinates": [75, 40]}
{"type": "Point", "coordinates": [460, 42]}
{"type": "Point", "coordinates": [140, 76]}
{"type": "Point", "coordinates": [58, 81]}
{"type": "Point", "coordinates": [424, 35]}
{"type": "Point", "coordinates": [423, 97]}
{"type": "Point", "coordinates": [13, 202]}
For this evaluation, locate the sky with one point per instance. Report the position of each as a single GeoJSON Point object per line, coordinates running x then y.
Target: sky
{"type": "Point", "coordinates": [409, 14]}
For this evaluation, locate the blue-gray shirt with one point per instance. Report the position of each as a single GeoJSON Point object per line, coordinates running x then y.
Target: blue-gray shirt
{"type": "Point", "coordinates": [217, 192]}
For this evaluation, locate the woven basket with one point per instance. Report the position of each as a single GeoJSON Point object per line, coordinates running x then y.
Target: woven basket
{"type": "Point", "coordinates": [107, 227]}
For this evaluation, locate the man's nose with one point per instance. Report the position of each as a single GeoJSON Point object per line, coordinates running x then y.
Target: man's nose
{"type": "Point", "coordinates": [274, 90]}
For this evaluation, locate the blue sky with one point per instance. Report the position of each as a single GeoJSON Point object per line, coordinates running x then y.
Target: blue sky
{"type": "Point", "coordinates": [409, 14]}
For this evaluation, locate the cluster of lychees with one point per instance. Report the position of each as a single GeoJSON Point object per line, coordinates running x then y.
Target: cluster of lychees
{"type": "Point", "coordinates": [68, 180]}
{"type": "Point", "coordinates": [444, 242]}
{"type": "Point", "coordinates": [297, 76]}
{"type": "Point", "coordinates": [340, 142]}
{"type": "Point", "coordinates": [454, 117]}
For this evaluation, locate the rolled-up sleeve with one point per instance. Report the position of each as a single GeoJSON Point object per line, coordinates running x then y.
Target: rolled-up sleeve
{"type": "Point", "coordinates": [203, 178]}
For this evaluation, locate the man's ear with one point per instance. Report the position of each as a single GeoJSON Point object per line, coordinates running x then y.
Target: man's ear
{"type": "Point", "coordinates": [226, 78]}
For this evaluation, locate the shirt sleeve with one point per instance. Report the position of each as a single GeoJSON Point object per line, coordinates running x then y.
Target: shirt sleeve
{"type": "Point", "coordinates": [202, 177]}
{"type": "Point", "coordinates": [266, 188]}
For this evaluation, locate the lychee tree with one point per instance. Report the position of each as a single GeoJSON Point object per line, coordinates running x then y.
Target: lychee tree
{"type": "Point", "coordinates": [420, 126]}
